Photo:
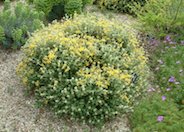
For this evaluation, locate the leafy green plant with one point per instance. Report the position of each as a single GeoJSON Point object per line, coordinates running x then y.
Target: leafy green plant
{"type": "Point", "coordinates": [4, 0]}
{"type": "Point", "coordinates": [160, 17]}
{"type": "Point", "coordinates": [2, 35]}
{"type": "Point", "coordinates": [16, 23]}
{"type": "Point", "coordinates": [88, 68]}
{"type": "Point", "coordinates": [46, 5]}
{"type": "Point", "coordinates": [56, 9]}
{"type": "Point", "coordinates": [73, 6]}
{"type": "Point", "coordinates": [156, 113]}
{"type": "Point", "coordinates": [85, 2]}
{"type": "Point", "coordinates": [119, 5]}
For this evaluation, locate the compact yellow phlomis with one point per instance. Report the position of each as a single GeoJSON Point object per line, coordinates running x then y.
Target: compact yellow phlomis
{"type": "Point", "coordinates": [85, 58]}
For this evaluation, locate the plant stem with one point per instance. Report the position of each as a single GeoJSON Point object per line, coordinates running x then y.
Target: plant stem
{"type": "Point", "coordinates": [177, 11]}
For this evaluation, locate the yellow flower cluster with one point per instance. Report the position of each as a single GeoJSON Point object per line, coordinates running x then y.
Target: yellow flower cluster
{"type": "Point", "coordinates": [118, 74]}
{"type": "Point", "coordinates": [65, 67]}
{"type": "Point", "coordinates": [94, 74]}
{"type": "Point", "coordinates": [48, 59]}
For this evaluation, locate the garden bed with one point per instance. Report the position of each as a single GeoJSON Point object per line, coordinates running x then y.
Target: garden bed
{"type": "Point", "coordinates": [91, 68]}
{"type": "Point", "coordinates": [17, 111]}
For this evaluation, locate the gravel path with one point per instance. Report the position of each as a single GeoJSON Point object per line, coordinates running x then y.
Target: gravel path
{"type": "Point", "coordinates": [17, 112]}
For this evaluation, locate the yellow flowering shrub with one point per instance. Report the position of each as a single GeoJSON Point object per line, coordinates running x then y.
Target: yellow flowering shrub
{"type": "Point", "coordinates": [86, 68]}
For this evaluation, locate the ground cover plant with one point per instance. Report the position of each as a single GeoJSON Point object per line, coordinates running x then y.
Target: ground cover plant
{"type": "Point", "coordinates": [88, 68]}
{"type": "Point", "coordinates": [16, 23]}
{"type": "Point", "coordinates": [171, 68]}
{"type": "Point", "coordinates": [157, 113]}
{"type": "Point", "coordinates": [163, 109]}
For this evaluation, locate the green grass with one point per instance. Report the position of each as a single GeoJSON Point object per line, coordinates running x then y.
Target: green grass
{"type": "Point", "coordinates": [173, 65]}
{"type": "Point", "coordinates": [146, 114]}
{"type": "Point", "coordinates": [166, 62]}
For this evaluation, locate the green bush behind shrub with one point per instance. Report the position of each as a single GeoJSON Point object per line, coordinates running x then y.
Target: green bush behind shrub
{"type": "Point", "coordinates": [87, 68]}
{"type": "Point", "coordinates": [73, 6]}
{"type": "Point", "coordinates": [56, 9]}
{"type": "Point", "coordinates": [161, 17]}
{"type": "Point", "coordinates": [16, 23]}
{"type": "Point", "coordinates": [119, 5]}
{"type": "Point", "coordinates": [2, 35]}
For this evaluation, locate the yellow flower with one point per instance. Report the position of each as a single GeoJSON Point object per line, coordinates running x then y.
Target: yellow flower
{"type": "Point", "coordinates": [64, 66]}
{"type": "Point", "coordinates": [32, 46]}
{"type": "Point", "coordinates": [51, 55]}
{"type": "Point", "coordinates": [81, 49]}
{"type": "Point", "coordinates": [25, 80]}
{"type": "Point", "coordinates": [102, 83]}
{"type": "Point", "coordinates": [124, 97]}
{"type": "Point", "coordinates": [80, 82]}
{"type": "Point", "coordinates": [29, 72]}
{"type": "Point", "coordinates": [77, 31]}
{"type": "Point", "coordinates": [126, 78]}
{"type": "Point", "coordinates": [21, 67]}
{"type": "Point", "coordinates": [67, 69]}
{"type": "Point", "coordinates": [118, 74]}
{"type": "Point", "coordinates": [99, 83]}
{"type": "Point", "coordinates": [48, 59]}
{"type": "Point", "coordinates": [37, 83]}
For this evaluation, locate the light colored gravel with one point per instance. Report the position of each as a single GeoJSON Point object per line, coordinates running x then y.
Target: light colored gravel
{"type": "Point", "coordinates": [124, 18]}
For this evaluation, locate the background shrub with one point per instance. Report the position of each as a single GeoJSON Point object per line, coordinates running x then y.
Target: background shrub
{"type": "Point", "coordinates": [73, 6]}
{"type": "Point", "coordinates": [16, 24]}
{"type": "Point", "coordinates": [56, 9]}
{"type": "Point", "coordinates": [119, 5]}
{"type": "Point", "coordinates": [87, 68]}
{"type": "Point", "coordinates": [4, 0]}
{"type": "Point", "coordinates": [160, 17]}
{"type": "Point", "coordinates": [46, 5]}
{"type": "Point", "coordinates": [2, 35]}
{"type": "Point", "coordinates": [154, 114]}
{"type": "Point", "coordinates": [85, 2]}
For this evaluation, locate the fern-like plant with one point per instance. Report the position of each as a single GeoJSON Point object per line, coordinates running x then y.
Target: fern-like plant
{"type": "Point", "coordinates": [73, 6]}
{"type": "Point", "coordinates": [120, 5]}
{"type": "Point", "coordinates": [56, 9]}
{"type": "Point", "coordinates": [17, 23]}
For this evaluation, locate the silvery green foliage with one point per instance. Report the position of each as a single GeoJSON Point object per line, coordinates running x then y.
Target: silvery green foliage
{"type": "Point", "coordinates": [17, 22]}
